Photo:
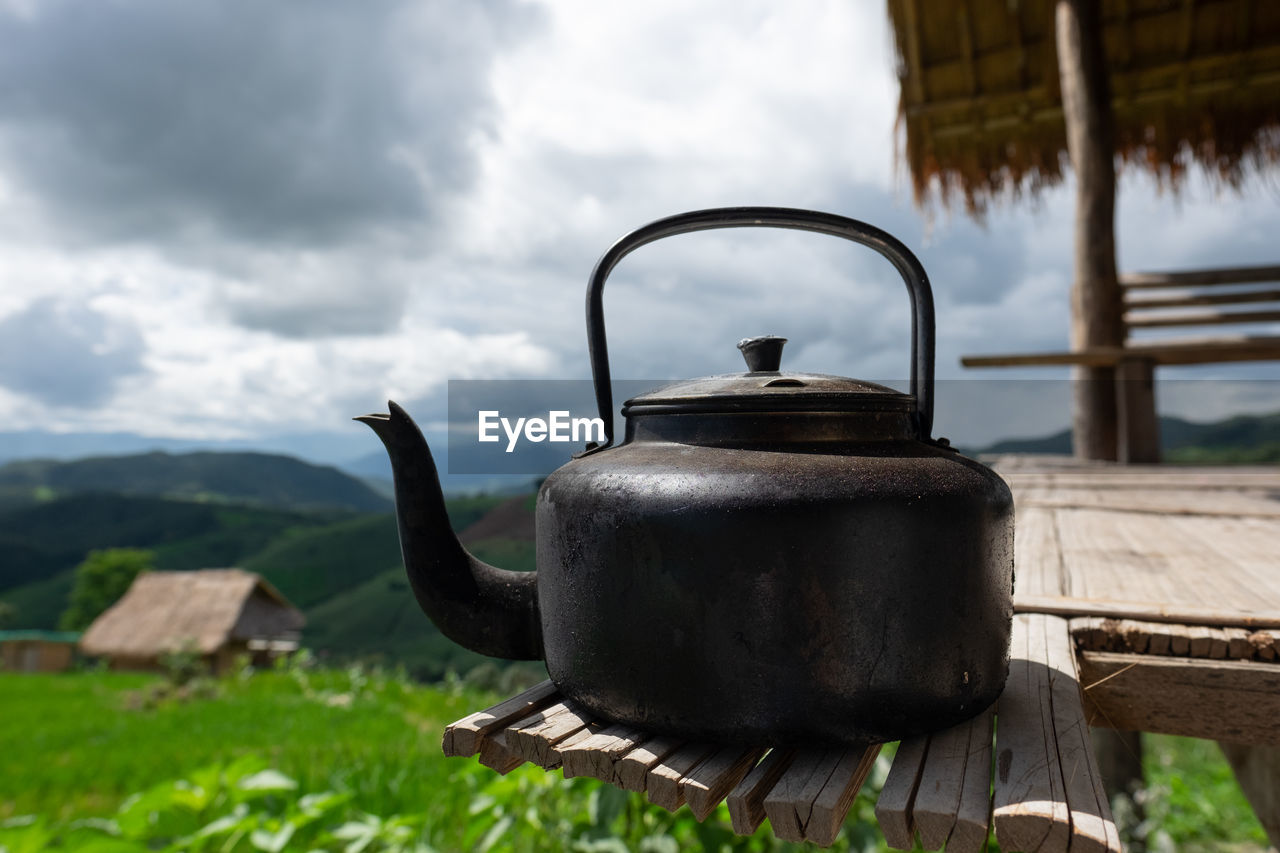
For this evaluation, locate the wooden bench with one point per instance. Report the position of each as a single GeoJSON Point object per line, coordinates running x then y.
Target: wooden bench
{"type": "Point", "coordinates": [1167, 300]}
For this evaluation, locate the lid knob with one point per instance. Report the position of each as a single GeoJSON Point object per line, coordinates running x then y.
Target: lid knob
{"type": "Point", "coordinates": [763, 354]}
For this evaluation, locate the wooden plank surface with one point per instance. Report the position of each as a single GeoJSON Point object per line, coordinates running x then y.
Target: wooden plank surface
{"type": "Point", "coordinates": [1237, 701]}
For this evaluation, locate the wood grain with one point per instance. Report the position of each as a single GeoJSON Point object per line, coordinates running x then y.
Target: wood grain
{"type": "Point", "coordinates": [938, 791]}
{"type": "Point", "coordinates": [535, 738]}
{"type": "Point", "coordinates": [597, 755]}
{"type": "Point", "coordinates": [662, 783]}
{"type": "Point", "coordinates": [973, 814]}
{"type": "Point", "coordinates": [1237, 701]}
{"type": "Point", "coordinates": [633, 767]}
{"type": "Point", "coordinates": [712, 780]}
{"type": "Point", "coordinates": [495, 755]}
{"type": "Point", "coordinates": [746, 800]}
{"type": "Point", "coordinates": [1092, 827]}
{"type": "Point", "coordinates": [790, 803]}
{"type": "Point", "coordinates": [836, 796]}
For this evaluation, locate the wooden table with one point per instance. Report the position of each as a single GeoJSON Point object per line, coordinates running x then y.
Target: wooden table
{"type": "Point", "coordinates": [1146, 599]}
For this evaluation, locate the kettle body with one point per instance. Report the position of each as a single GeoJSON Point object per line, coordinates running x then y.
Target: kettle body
{"type": "Point", "coordinates": [859, 591]}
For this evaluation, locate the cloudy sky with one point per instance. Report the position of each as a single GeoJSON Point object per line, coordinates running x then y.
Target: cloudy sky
{"type": "Point", "coordinates": [238, 219]}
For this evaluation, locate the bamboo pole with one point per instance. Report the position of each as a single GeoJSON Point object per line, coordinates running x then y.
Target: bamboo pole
{"type": "Point", "coordinates": [1096, 317]}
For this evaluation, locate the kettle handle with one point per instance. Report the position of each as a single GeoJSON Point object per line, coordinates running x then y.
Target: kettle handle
{"type": "Point", "coordinates": [907, 265]}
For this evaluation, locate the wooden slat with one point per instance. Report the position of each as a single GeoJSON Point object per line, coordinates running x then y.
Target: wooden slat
{"type": "Point", "coordinates": [1235, 701]}
{"type": "Point", "coordinates": [1030, 806]}
{"type": "Point", "coordinates": [790, 803]}
{"type": "Point", "coordinates": [1186, 278]}
{"type": "Point", "coordinates": [1215, 350]}
{"type": "Point", "coordinates": [746, 800]}
{"type": "Point", "coordinates": [938, 791]}
{"type": "Point", "coordinates": [712, 780]}
{"type": "Point", "coordinates": [973, 814]}
{"type": "Point", "coordinates": [597, 755]}
{"type": "Point", "coordinates": [633, 768]}
{"type": "Point", "coordinates": [663, 780]}
{"type": "Point", "coordinates": [495, 755]}
{"type": "Point", "coordinates": [1092, 826]}
{"type": "Point", "coordinates": [1205, 318]}
{"type": "Point", "coordinates": [463, 737]}
{"type": "Point", "coordinates": [894, 807]}
{"type": "Point", "coordinates": [1150, 611]}
{"type": "Point", "coordinates": [832, 803]}
{"type": "Point", "coordinates": [535, 738]}
{"type": "Point", "coordinates": [1188, 300]}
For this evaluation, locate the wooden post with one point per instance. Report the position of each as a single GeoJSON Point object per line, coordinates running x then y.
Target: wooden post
{"type": "Point", "coordinates": [1257, 769]}
{"type": "Point", "coordinates": [1139, 430]}
{"type": "Point", "coordinates": [1096, 314]}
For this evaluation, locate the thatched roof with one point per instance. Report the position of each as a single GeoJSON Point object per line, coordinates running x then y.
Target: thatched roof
{"type": "Point", "coordinates": [169, 611]}
{"type": "Point", "coordinates": [1191, 80]}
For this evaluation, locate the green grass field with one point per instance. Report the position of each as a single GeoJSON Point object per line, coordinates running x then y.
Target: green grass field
{"type": "Point", "coordinates": [321, 759]}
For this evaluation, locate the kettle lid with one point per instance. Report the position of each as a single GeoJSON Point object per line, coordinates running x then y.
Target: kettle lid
{"type": "Point", "coordinates": [765, 389]}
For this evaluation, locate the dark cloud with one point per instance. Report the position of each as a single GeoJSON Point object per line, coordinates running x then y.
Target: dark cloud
{"type": "Point", "coordinates": [65, 354]}
{"type": "Point", "coordinates": [291, 122]}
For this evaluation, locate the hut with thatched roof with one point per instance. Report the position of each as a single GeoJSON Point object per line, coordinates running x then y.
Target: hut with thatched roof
{"type": "Point", "coordinates": [999, 96]}
{"type": "Point", "coordinates": [217, 613]}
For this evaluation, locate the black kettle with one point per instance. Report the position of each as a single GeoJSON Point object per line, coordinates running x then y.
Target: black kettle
{"type": "Point", "coordinates": [766, 557]}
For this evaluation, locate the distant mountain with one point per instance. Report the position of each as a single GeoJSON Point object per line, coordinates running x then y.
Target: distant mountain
{"type": "Point", "coordinates": [1243, 438]}
{"type": "Point", "coordinates": [255, 478]}
{"type": "Point", "coordinates": [325, 448]}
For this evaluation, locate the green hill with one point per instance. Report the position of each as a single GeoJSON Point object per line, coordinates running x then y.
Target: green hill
{"type": "Point", "coordinates": [379, 620]}
{"type": "Point", "coordinates": [1240, 439]}
{"type": "Point", "coordinates": [260, 479]}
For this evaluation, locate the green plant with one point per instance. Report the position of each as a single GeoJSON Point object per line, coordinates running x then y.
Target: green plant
{"type": "Point", "coordinates": [100, 580]}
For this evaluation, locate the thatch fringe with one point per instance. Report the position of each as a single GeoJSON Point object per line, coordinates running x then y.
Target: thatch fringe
{"type": "Point", "coordinates": [980, 115]}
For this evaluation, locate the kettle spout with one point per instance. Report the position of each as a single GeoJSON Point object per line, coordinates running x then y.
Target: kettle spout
{"type": "Point", "coordinates": [486, 609]}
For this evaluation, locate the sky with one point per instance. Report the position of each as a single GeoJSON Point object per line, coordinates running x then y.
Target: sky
{"type": "Point", "coordinates": [237, 220]}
